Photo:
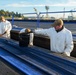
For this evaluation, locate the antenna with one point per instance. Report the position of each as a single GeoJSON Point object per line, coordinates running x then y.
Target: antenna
{"type": "Point", "coordinates": [64, 14]}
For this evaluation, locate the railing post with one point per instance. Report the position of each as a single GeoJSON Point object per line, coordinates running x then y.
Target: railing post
{"type": "Point", "coordinates": [12, 20]}
{"type": "Point", "coordinates": [38, 20]}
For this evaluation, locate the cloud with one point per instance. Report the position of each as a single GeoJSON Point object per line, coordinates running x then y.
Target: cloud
{"type": "Point", "coordinates": [24, 4]}
{"type": "Point", "coordinates": [71, 3]}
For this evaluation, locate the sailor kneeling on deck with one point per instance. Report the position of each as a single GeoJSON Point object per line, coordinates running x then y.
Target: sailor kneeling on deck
{"type": "Point", "coordinates": [61, 40]}
{"type": "Point", "coordinates": [28, 31]}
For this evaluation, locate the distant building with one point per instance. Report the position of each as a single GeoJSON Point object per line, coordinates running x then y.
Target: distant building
{"type": "Point", "coordinates": [52, 18]}
{"type": "Point", "coordinates": [70, 17]}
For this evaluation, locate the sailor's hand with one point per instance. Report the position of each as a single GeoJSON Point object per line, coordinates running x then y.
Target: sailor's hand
{"type": "Point", "coordinates": [64, 54]}
{"type": "Point", "coordinates": [0, 35]}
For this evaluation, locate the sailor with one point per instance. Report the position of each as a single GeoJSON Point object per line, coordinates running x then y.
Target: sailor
{"type": "Point", "coordinates": [5, 27]}
{"type": "Point", "coordinates": [61, 40]}
{"type": "Point", "coordinates": [31, 35]}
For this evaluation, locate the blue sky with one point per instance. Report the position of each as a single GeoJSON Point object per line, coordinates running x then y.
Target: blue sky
{"type": "Point", "coordinates": [26, 6]}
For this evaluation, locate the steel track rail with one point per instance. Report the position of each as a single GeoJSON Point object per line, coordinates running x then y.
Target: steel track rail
{"type": "Point", "coordinates": [38, 69]}
{"type": "Point", "coordinates": [25, 67]}
{"type": "Point", "coordinates": [69, 64]}
{"type": "Point", "coordinates": [58, 64]}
